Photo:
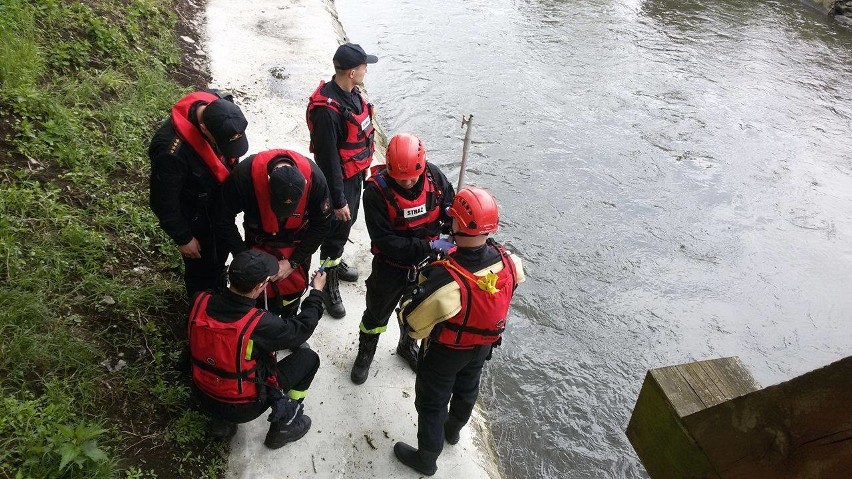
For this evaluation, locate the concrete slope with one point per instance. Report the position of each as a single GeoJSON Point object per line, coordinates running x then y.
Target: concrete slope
{"type": "Point", "coordinates": [272, 55]}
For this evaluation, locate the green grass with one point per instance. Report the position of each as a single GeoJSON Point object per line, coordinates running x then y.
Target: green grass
{"type": "Point", "coordinates": [86, 277]}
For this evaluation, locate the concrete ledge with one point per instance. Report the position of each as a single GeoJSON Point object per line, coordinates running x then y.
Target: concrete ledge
{"type": "Point", "coordinates": [272, 55]}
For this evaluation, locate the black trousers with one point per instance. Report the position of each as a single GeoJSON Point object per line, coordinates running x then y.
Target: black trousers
{"type": "Point", "coordinates": [445, 375]}
{"type": "Point", "coordinates": [296, 371]}
{"type": "Point", "coordinates": [207, 272]}
{"type": "Point", "coordinates": [333, 245]}
{"type": "Point", "coordinates": [385, 286]}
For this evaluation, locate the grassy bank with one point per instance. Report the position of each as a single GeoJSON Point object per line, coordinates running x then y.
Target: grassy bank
{"type": "Point", "coordinates": [91, 303]}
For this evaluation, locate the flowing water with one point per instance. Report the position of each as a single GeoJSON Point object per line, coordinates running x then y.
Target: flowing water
{"type": "Point", "coordinates": [677, 176]}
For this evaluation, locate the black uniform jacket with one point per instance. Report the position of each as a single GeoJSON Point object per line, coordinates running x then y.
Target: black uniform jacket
{"type": "Point", "coordinates": [273, 333]}
{"type": "Point", "coordinates": [397, 247]}
{"type": "Point", "coordinates": [328, 132]}
{"type": "Point", "coordinates": [182, 186]}
{"type": "Point", "coordinates": [237, 196]}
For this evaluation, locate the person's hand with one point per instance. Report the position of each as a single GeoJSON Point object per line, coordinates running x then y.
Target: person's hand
{"type": "Point", "coordinates": [284, 270]}
{"type": "Point", "coordinates": [191, 249]}
{"type": "Point", "coordinates": [318, 281]}
{"type": "Point", "coordinates": [443, 245]}
{"type": "Point", "coordinates": [342, 214]}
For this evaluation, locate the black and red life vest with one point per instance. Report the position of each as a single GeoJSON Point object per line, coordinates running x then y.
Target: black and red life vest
{"type": "Point", "coordinates": [356, 150]}
{"type": "Point", "coordinates": [222, 364]}
{"type": "Point", "coordinates": [484, 309]}
{"type": "Point", "coordinates": [260, 181]}
{"type": "Point", "coordinates": [297, 281]}
{"type": "Point", "coordinates": [219, 166]}
{"type": "Point", "coordinates": [417, 218]}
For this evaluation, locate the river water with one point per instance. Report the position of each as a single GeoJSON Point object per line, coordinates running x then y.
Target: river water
{"type": "Point", "coordinates": [676, 175]}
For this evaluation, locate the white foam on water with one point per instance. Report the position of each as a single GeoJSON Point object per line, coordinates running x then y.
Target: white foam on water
{"type": "Point", "coordinates": [272, 55]}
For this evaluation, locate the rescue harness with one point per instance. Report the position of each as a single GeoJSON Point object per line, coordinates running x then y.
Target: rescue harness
{"type": "Point", "coordinates": [485, 303]}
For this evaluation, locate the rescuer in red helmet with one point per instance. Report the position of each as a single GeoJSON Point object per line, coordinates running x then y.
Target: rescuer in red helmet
{"type": "Point", "coordinates": [405, 204]}
{"type": "Point", "coordinates": [460, 309]}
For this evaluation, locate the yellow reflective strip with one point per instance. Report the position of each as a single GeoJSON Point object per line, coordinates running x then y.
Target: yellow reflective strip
{"type": "Point", "coordinates": [249, 349]}
{"type": "Point", "coordinates": [331, 263]}
{"type": "Point", "coordinates": [296, 395]}
{"type": "Point", "coordinates": [379, 330]}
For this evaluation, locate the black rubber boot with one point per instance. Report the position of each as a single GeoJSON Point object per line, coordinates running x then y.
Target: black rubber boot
{"type": "Point", "coordinates": [347, 273]}
{"type": "Point", "coordinates": [452, 427]}
{"type": "Point", "coordinates": [366, 350]}
{"type": "Point", "coordinates": [281, 433]}
{"type": "Point", "coordinates": [421, 461]}
{"type": "Point", "coordinates": [407, 348]}
{"type": "Point", "coordinates": [331, 294]}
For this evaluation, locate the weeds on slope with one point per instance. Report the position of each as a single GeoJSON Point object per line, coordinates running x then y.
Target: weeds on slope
{"type": "Point", "coordinates": [91, 305]}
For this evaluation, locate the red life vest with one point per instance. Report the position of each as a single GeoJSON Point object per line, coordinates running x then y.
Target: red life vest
{"type": "Point", "coordinates": [260, 181]}
{"type": "Point", "coordinates": [297, 281]}
{"type": "Point", "coordinates": [356, 150]}
{"type": "Point", "coordinates": [482, 318]}
{"type": "Point", "coordinates": [417, 218]}
{"type": "Point", "coordinates": [219, 166]}
{"type": "Point", "coordinates": [221, 352]}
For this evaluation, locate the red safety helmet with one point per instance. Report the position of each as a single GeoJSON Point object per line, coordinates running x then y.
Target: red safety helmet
{"type": "Point", "coordinates": [475, 210]}
{"type": "Point", "coordinates": [406, 157]}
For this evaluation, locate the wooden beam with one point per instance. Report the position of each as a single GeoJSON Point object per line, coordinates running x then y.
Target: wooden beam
{"type": "Point", "coordinates": [720, 425]}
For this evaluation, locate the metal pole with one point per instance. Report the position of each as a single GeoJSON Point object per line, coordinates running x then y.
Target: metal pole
{"type": "Point", "coordinates": [465, 122]}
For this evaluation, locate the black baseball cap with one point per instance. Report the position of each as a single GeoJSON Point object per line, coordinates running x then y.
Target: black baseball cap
{"type": "Point", "coordinates": [286, 185]}
{"type": "Point", "coordinates": [351, 55]}
{"type": "Point", "coordinates": [252, 267]}
{"type": "Point", "coordinates": [227, 124]}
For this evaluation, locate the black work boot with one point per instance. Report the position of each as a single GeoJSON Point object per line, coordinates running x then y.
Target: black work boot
{"type": "Point", "coordinates": [280, 433]}
{"type": "Point", "coordinates": [407, 348]}
{"type": "Point", "coordinates": [331, 294]}
{"type": "Point", "coordinates": [452, 427]}
{"type": "Point", "coordinates": [419, 460]}
{"type": "Point", "coordinates": [366, 350]}
{"type": "Point", "coordinates": [347, 273]}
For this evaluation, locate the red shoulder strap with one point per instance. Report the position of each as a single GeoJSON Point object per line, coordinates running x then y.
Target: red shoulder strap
{"type": "Point", "coordinates": [199, 305]}
{"type": "Point", "coordinates": [192, 135]}
{"type": "Point", "coordinates": [260, 182]}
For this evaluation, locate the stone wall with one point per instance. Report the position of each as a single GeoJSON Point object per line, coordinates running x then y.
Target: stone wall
{"type": "Point", "coordinates": [843, 12]}
{"type": "Point", "coordinates": [840, 9]}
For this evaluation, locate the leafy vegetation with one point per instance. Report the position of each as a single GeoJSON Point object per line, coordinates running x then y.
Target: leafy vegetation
{"type": "Point", "coordinates": [91, 302]}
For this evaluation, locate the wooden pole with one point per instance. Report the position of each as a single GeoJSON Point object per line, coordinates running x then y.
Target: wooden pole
{"type": "Point", "coordinates": [465, 122]}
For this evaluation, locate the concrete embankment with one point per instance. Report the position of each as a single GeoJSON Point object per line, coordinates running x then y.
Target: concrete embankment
{"type": "Point", "coordinates": [272, 55]}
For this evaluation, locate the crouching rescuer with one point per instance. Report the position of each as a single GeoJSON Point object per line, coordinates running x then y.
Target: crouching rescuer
{"type": "Point", "coordinates": [459, 309]}
{"type": "Point", "coordinates": [404, 208]}
{"type": "Point", "coordinates": [233, 346]}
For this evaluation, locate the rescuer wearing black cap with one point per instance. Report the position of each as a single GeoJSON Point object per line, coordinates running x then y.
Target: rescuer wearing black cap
{"type": "Point", "coordinates": [191, 154]}
{"type": "Point", "coordinates": [341, 126]}
{"type": "Point", "coordinates": [459, 309]}
{"type": "Point", "coordinates": [232, 347]}
{"type": "Point", "coordinates": [287, 213]}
